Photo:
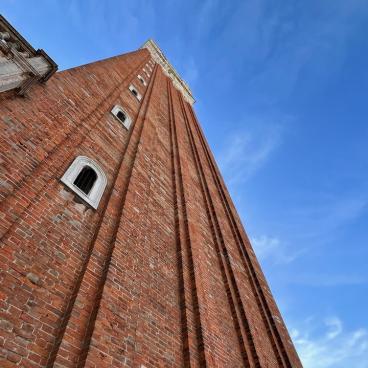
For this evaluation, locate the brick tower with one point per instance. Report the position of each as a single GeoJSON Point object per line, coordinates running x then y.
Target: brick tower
{"type": "Point", "coordinates": [120, 245]}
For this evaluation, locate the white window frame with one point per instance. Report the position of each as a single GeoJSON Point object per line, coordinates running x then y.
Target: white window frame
{"type": "Point", "coordinates": [128, 121]}
{"type": "Point", "coordinates": [142, 80]}
{"type": "Point", "coordinates": [131, 89]}
{"type": "Point", "coordinates": [94, 196]}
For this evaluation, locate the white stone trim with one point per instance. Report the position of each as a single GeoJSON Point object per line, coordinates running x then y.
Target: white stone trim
{"type": "Point", "coordinates": [159, 57]}
{"type": "Point", "coordinates": [94, 196]}
{"type": "Point", "coordinates": [142, 80]}
{"type": "Point", "coordinates": [131, 89]}
{"type": "Point", "coordinates": [146, 73]}
{"type": "Point", "coordinates": [128, 121]}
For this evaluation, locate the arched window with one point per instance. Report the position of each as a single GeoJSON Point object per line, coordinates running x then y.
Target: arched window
{"type": "Point", "coordinates": [122, 116]}
{"type": "Point", "coordinates": [141, 80]}
{"type": "Point", "coordinates": [135, 92]}
{"type": "Point", "coordinates": [86, 178]}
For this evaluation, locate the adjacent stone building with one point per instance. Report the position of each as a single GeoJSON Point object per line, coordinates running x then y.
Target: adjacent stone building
{"type": "Point", "coordinates": [120, 245]}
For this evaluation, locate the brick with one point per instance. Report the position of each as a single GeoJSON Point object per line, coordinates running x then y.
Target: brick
{"type": "Point", "coordinates": [161, 274]}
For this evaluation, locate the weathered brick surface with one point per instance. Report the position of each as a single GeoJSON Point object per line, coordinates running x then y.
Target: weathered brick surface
{"type": "Point", "coordinates": [162, 273]}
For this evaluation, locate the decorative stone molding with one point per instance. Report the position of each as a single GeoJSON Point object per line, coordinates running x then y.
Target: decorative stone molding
{"type": "Point", "coordinates": [127, 122]}
{"type": "Point", "coordinates": [142, 80]}
{"type": "Point", "coordinates": [21, 65]}
{"type": "Point", "coordinates": [159, 57]}
{"type": "Point", "coordinates": [92, 198]}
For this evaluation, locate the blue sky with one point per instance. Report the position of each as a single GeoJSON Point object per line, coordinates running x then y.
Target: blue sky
{"type": "Point", "coordinates": [281, 90]}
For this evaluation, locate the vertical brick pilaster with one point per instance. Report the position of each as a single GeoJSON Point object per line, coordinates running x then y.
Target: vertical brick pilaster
{"type": "Point", "coordinates": [192, 337]}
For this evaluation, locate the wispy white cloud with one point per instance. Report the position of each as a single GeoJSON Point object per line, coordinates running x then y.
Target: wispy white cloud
{"type": "Point", "coordinates": [319, 219]}
{"type": "Point", "coordinates": [104, 25]}
{"type": "Point", "coordinates": [191, 71]}
{"type": "Point", "coordinates": [318, 279]}
{"type": "Point", "coordinates": [327, 344]}
{"type": "Point", "coordinates": [308, 229]}
{"type": "Point", "coordinates": [274, 45]}
{"type": "Point", "coordinates": [335, 327]}
{"type": "Point", "coordinates": [271, 248]}
{"type": "Point", "coordinates": [246, 151]}
{"type": "Point", "coordinates": [206, 15]}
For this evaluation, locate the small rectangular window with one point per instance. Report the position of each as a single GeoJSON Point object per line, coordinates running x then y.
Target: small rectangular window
{"type": "Point", "coordinates": [121, 115]}
{"type": "Point", "coordinates": [135, 92]}
{"type": "Point", "coordinates": [141, 79]}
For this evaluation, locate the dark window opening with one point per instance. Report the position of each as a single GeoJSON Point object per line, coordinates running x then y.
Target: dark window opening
{"type": "Point", "coordinates": [135, 93]}
{"type": "Point", "coordinates": [85, 179]}
{"type": "Point", "coordinates": [141, 79]}
{"type": "Point", "coordinates": [121, 116]}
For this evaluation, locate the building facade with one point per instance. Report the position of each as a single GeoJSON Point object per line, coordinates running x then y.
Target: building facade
{"type": "Point", "coordinates": [120, 245]}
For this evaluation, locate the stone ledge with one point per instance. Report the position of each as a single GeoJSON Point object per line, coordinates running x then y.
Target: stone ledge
{"type": "Point", "coordinates": [159, 57]}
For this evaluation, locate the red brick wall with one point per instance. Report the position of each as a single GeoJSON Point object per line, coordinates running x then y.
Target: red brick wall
{"type": "Point", "coordinates": [162, 273]}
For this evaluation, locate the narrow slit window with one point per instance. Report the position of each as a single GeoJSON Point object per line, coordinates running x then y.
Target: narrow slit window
{"type": "Point", "coordinates": [85, 179]}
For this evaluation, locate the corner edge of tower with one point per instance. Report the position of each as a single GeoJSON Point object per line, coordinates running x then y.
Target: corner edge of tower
{"type": "Point", "coordinates": [159, 57]}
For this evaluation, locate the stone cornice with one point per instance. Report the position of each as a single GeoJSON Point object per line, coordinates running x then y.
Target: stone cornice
{"type": "Point", "coordinates": [21, 66]}
{"type": "Point", "coordinates": [159, 57]}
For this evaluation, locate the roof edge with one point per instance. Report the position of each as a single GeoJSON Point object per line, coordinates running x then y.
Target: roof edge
{"type": "Point", "coordinates": [159, 57]}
